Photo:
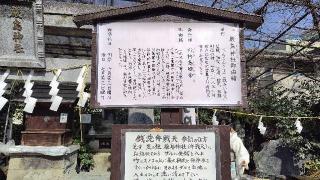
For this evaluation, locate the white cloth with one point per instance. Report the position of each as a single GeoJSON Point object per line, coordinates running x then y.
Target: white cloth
{"type": "Point", "coordinates": [241, 153]}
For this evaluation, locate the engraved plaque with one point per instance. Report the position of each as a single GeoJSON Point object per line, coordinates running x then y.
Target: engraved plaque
{"type": "Point", "coordinates": [21, 34]}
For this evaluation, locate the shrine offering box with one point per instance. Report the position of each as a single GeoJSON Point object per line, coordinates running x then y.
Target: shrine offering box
{"type": "Point", "coordinates": [43, 127]}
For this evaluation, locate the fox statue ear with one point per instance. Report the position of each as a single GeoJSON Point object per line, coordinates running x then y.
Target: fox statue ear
{"type": "Point", "coordinates": [214, 118]}
{"type": "Point", "coordinates": [298, 125]}
{"type": "Point", "coordinates": [261, 126]}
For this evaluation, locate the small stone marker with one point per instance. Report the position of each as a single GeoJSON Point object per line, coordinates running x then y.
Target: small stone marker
{"type": "Point", "coordinates": [140, 116]}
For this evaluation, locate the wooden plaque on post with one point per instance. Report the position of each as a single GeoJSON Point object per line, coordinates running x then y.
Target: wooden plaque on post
{"type": "Point", "coordinates": [170, 151]}
{"type": "Point", "coordinates": [168, 54]}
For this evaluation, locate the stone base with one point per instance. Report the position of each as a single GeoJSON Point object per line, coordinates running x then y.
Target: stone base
{"type": "Point", "coordinates": [41, 167]}
{"type": "Point", "coordinates": [275, 159]}
{"type": "Point", "coordinates": [101, 170]}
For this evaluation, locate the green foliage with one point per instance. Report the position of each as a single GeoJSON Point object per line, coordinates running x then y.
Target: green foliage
{"type": "Point", "coordinates": [280, 101]}
{"type": "Point", "coordinates": [16, 112]}
{"type": "Point", "coordinates": [16, 118]}
{"type": "Point", "coordinates": [205, 116]}
{"type": "Point", "coordinates": [292, 102]}
{"type": "Point", "coordinates": [312, 166]}
{"type": "Point", "coordinates": [85, 156]}
{"type": "Point", "coordinates": [157, 112]}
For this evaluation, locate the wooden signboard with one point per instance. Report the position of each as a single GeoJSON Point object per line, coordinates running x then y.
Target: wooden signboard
{"type": "Point", "coordinates": [174, 65]}
{"type": "Point", "coordinates": [170, 152]}
{"type": "Point", "coordinates": [168, 54]}
{"type": "Point", "coordinates": [22, 34]}
{"type": "Point", "coordinates": [164, 53]}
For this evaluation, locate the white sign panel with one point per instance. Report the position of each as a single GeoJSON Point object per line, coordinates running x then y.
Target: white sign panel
{"type": "Point", "coordinates": [63, 117]}
{"type": "Point", "coordinates": [168, 64]}
{"type": "Point", "coordinates": [85, 118]}
{"type": "Point", "coordinates": [170, 155]}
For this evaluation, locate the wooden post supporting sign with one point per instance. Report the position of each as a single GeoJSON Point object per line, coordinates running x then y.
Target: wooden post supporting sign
{"type": "Point", "coordinates": [171, 116]}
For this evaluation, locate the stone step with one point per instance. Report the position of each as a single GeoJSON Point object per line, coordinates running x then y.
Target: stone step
{"type": "Point", "coordinates": [89, 176]}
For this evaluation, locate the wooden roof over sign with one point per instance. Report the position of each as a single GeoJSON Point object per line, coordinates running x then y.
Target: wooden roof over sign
{"type": "Point", "coordinates": [201, 13]}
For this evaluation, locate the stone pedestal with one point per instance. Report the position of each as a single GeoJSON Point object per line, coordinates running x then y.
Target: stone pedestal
{"type": "Point", "coordinates": [101, 170]}
{"type": "Point", "coordinates": [274, 159]}
{"type": "Point", "coordinates": [140, 116]}
{"type": "Point", "coordinates": [32, 165]}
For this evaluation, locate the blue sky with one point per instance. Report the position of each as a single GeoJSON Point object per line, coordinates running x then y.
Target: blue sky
{"type": "Point", "coordinates": [277, 18]}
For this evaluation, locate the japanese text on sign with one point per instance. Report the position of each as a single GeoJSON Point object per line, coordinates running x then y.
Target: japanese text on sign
{"type": "Point", "coordinates": [17, 35]}
{"type": "Point", "coordinates": [170, 155]}
{"type": "Point", "coordinates": [168, 64]}
{"type": "Point", "coordinates": [22, 34]}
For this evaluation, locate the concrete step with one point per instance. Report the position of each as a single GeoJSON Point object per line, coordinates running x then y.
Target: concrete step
{"type": "Point", "coordinates": [89, 176]}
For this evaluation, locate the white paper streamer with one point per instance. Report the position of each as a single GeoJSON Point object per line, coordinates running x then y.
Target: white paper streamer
{"type": "Point", "coordinates": [3, 86]}
{"type": "Point", "coordinates": [28, 90]}
{"type": "Point", "coordinates": [53, 91]}
{"type": "Point", "coordinates": [81, 74]}
{"type": "Point", "coordinates": [55, 99]}
{"type": "Point", "coordinates": [298, 125]}
{"type": "Point", "coordinates": [261, 127]}
{"type": "Point", "coordinates": [83, 96]}
{"type": "Point", "coordinates": [28, 86]}
{"type": "Point", "coordinates": [82, 100]}
{"type": "Point", "coordinates": [28, 80]}
{"type": "Point", "coordinates": [54, 83]}
{"type": "Point", "coordinates": [2, 91]}
{"type": "Point", "coordinates": [30, 101]}
{"type": "Point", "coordinates": [5, 75]}
{"type": "Point", "coordinates": [30, 104]}
{"type": "Point", "coordinates": [3, 101]}
{"type": "Point", "coordinates": [80, 86]}
{"type": "Point", "coordinates": [214, 118]}
{"type": "Point", "coordinates": [26, 100]}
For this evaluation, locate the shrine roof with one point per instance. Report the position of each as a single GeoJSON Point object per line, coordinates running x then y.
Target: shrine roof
{"type": "Point", "coordinates": [192, 11]}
